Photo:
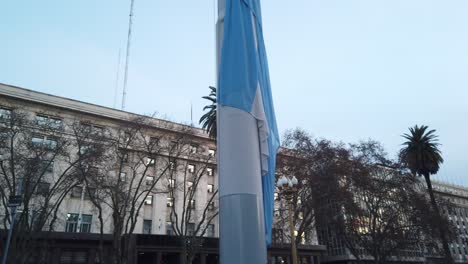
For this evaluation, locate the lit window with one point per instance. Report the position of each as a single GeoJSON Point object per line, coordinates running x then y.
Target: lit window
{"type": "Point", "coordinates": [209, 171]}
{"type": "Point", "coordinates": [191, 204]}
{"type": "Point", "coordinates": [170, 201]}
{"type": "Point", "coordinates": [123, 176]}
{"type": "Point", "coordinates": [210, 188]}
{"type": "Point", "coordinates": [150, 161]}
{"type": "Point", "coordinates": [211, 152]}
{"type": "Point", "coordinates": [301, 215]}
{"type": "Point", "coordinates": [149, 180]}
{"type": "Point", "coordinates": [149, 200]}
{"type": "Point", "coordinates": [171, 183]}
{"type": "Point", "coordinates": [191, 168]}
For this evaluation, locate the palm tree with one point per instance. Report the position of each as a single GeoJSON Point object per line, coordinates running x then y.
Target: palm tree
{"type": "Point", "coordinates": [208, 120]}
{"type": "Point", "coordinates": [423, 157]}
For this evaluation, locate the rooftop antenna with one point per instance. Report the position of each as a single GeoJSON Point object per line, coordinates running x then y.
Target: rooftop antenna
{"type": "Point", "coordinates": [191, 114]}
{"type": "Point", "coordinates": [130, 22]}
{"type": "Point", "coordinates": [117, 81]}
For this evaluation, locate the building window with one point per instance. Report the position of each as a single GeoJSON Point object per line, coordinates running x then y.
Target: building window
{"type": "Point", "coordinates": [147, 226]}
{"type": "Point", "coordinates": [153, 142]}
{"type": "Point", "coordinates": [76, 192]}
{"type": "Point", "coordinates": [123, 176]}
{"type": "Point", "coordinates": [170, 201]}
{"type": "Point", "coordinates": [5, 114]}
{"type": "Point", "coordinates": [44, 141]}
{"type": "Point", "coordinates": [209, 171]}
{"type": "Point", "coordinates": [169, 229]}
{"type": "Point", "coordinates": [85, 149]}
{"type": "Point", "coordinates": [124, 156]}
{"type": "Point", "coordinates": [149, 200]}
{"type": "Point", "coordinates": [210, 231]}
{"type": "Point", "coordinates": [191, 204]}
{"type": "Point", "coordinates": [173, 145]}
{"type": "Point", "coordinates": [72, 223]}
{"type": "Point", "coordinates": [276, 212]}
{"type": "Point", "coordinates": [193, 149]}
{"type": "Point", "coordinates": [189, 185]}
{"type": "Point", "coordinates": [92, 129]}
{"type": "Point", "coordinates": [211, 152]}
{"type": "Point", "coordinates": [276, 196]}
{"type": "Point", "coordinates": [191, 229]}
{"type": "Point", "coordinates": [210, 188]}
{"type": "Point", "coordinates": [149, 180]}
{"type": "Point", "coordinates": [43, 188]}
{"type": "Point", "coordinates": [172, 164]}
{"type": "Point", "coordinates": [211, 206]}
{"type": "Point", "coordinates": [46, 166]}
{"type": "Point", "coordinates": [47, 121]}
{"type": "Point", "coordinates": [171, 184]}
{"type": "Point", "coordinates": [277, 235]}
{"type": "Point", "coordinates": [127, 138]}
{"type": "Point", "coordinates": [191, 168]}
{"type": "Point", "coordinates": [150, 161]}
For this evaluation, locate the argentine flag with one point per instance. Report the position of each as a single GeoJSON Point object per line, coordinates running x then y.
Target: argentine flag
{"type": "Point", "coordinates": [247, 133]}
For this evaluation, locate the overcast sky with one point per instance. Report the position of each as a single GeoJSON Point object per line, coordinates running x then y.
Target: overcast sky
{"type": "Point", "coordinates": [342, 69]}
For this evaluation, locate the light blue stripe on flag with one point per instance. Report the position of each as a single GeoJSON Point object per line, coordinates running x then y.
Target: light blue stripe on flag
{"type": "Point", "coordinates": [243, 75]}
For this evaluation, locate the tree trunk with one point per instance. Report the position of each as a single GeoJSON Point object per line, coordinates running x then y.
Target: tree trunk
{"type": "Point", "coordinates": [442, 231]}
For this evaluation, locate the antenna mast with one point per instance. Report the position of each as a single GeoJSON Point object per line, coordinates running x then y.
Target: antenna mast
{"type": "Point", "coordinates": [117, 81]}
{"type": "Point", "coordinates": [130, 22]}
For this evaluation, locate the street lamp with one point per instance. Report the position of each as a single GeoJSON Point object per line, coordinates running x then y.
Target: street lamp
{"type": "Point", "coordinates": [287, 188]}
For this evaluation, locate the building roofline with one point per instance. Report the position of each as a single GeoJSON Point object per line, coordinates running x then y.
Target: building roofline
{"type": "Point", "coordinates": [24, 94]}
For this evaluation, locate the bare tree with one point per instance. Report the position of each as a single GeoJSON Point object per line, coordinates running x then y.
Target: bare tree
{"type": "Point", "coordinates": [316, 164]}
{"type": "Point", "coordinates": [192, 198]}
{"type": "Point", "coordinates": [378, 218]}
{"type": "Point", "coordinates": [38, 163]}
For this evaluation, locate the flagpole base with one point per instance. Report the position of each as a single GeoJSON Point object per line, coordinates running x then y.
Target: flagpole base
{"type": "Point", "coordinates": [240, 237]}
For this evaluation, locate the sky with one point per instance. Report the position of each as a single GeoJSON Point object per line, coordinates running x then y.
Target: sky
{"type": "Point", "coordinates": [346, 70]}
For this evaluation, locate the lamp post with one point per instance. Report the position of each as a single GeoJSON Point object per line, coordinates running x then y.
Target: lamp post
{"type": "Point", "coordinates": [287, 187]}
{"type": "Point", "coordinates": [14, 202]}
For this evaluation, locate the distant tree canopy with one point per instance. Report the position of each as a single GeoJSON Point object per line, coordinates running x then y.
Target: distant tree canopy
{"type": "Point", "coordinates": [355, 193]}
